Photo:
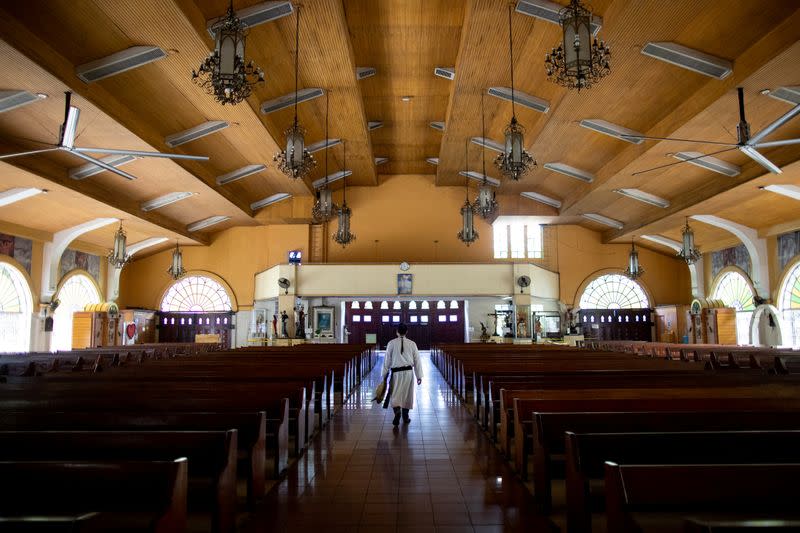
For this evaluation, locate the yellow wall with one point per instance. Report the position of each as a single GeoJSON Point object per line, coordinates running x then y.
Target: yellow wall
{"type": "Point", "coordinates": [235, 255]}
{"type": "Point", "coordinates": [581, 253]}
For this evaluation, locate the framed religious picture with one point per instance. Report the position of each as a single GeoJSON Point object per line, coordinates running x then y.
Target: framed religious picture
{"type": "Point", "coordinates": [260, 329]}
{"type": "Point", "coordinates": [405, 283]}
{"type": "Point", "coordinates": [323, 321]}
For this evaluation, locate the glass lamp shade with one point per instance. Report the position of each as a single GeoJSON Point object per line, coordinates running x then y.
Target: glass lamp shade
{"type": "Point", "coordinates": [515, 161]}
{"type": "Point", "coordinates": [688, 252]}
{"type": "Point", "coordinates": [343, 235]}
{"type": "Point", "coordinates": [118, 256]}
{"type": "Point", "coordinates": [176, 270]}
{"type": "Point", "coordinates": [295, 161]}
{"type": "Point", "coordinates": [577, 62]}
{"type": "Point", "coordinates": [468, 234]}
{"type": "Point", "coordinates": [324, 209]}
{"type": "Point", "coordinates": [634, 270]}
{"type": "Point", "coordinates": [485, 205]}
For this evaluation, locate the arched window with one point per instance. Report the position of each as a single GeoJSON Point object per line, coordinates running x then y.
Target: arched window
{"type": "Point", "coordinates": [412, 306]}
{"type": "Point", "coordinates": [396, 306]}
{"type": "Point", "coordinates": [789, 302]}
{"type": "Point", "coordinates": [425, 305]}
{"type": "Point", "coordinates": [441, 305]}
{"type": "Point", "coordinates": [355, 305]}
{"type": "Point", "coordinates": [735, 292]}
{"type": "Point", "coordinates": [16, 306]}
{"type": "Point", "coordinates": [384, 305]}
{"type": "Point", "coordinates": [196, 294]}
{"type": "Point", "coordinates": [613, 291]}
{"type": "Point", "coordinates": [453, 304]}
{"type": "Point", "coordinates": [74, 295]}
{"type": "Point", "coordinates": [367, 305]}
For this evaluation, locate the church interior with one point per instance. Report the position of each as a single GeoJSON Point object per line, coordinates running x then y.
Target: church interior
{"type": "Point", "coordinates": [216, 217]}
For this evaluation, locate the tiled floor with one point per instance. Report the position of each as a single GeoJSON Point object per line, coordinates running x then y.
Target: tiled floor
{"type": "Point", "coordinates": [439, 473]}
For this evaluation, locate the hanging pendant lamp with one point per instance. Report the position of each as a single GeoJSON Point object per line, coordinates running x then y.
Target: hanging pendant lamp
{"type": "Point", "coordinates": [515, 161]}
{"type": "Point", "coordinates": [577, 63]}
{"type": "Point", "coordinates": [343, 235]}
{"type": "Point", "coordinates": [295, 160]}
{"type": "Point", "coordinates": [634, 270]}
{"type": "Point", "coordinates": [176, 270]}
{"type": "Point", "coordinates": [468, 234]}
{"type": "Point", "coordinates": [485, 205]}
{"type": "Point", "coordinates": [689, 252]}
{"type": "Point", "coordinates": [324, 209]}
{"type": "Point", "coordinates": [224, 73]}
{"type": "Point", "coordinates": [118, 257]}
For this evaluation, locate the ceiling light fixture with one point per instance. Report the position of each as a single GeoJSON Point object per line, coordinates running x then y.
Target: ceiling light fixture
{"type": "Point", "coordinates": [480, 178]}
{"type": "Point", "coordinates": [295, 161]}
{"type": "Point", "coordinates": [176, 270]}
{"type": "Point", "coordinates": [406, 98]}
{"type": "Point", "coordinates": [343, 234]}
{"type": "Point", "coordinates": [612, 130]}
{"type": "Point", "coordinates": [468, 234]}
{"type": "Point", "coordinates": [515, 161]}
{"type": "Point", "coordinates": [206, 222]}
{"type": "Point", "coordinates": [163, 201]}
{"type": "Point", "coordinates": [634, 269]}
{"type": "Point", "coordinates": [644, 197]}
{"type": "Point", "coordinates": [688, 251]}
{"type": "Point", "coordinates": [432, 160]}
{"type": "Point", "coordinates": [709, 163]}
{"type": "Point", "coordinates": [224, 73]}
{"type": "Point", "coordinates": [485, 205]}
{"type": "Point", "coordinates": [488, 143]}
{"type": "Point", "coordinates": [577, 62]}
{"type": "Point", "coordinates": [18, 193]}
{"type": "Point", "coordinates": [90, 169]}
{"type": "Point", "coordinates": [570, 171]}
{"type": "Point", "coordinates": [541, 198]}
{"type": "Point", "coordinates": [790, 191]}
{"type": "Point", "coordinates": [324, 209]}
{"type": "Point", "coordinates": [239, 173]}
{"type": "Point", "coordinates": [13, 99]}
{"type": "Point", "coordinates": [610, 222]}
{"type": "Point", "coordinates": [323, 144]}
{"type": "Point", "coordinates": [119, 257]}
{"type": "Point", "coordinates": [269, 200]}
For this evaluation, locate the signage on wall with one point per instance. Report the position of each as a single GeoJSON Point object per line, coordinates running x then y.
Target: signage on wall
{"type": "Point", "coordinates": [295, 257]}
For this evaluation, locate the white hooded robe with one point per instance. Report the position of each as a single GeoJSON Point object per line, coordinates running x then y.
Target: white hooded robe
{"type": "Point", "coordinates": [403, 388]}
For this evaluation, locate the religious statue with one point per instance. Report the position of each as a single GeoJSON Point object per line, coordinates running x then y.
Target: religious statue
{"type": "Point", "coordinates": [300, 325]}
{"type": "Point", "coordinates": [484, 333]}
{"type": "Point", "coordinates": [508, 331]}
{"type": "Point", "coordinates": [274, 326]}
{"type": "Point", "coordinates": [284, 318]}
{"type": "Point", "coordinates": [522, 327]}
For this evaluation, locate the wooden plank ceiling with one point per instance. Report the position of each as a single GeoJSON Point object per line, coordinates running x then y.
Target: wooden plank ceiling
{"type": "Point", "coordinates": [44, 40]}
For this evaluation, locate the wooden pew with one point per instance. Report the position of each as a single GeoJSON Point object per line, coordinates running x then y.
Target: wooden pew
{"type": "Point", "coordinates": [645, 497]}
{"type": "Point", "coordinates": [586, 454]}
{"type": "Point", "coordinates": [211, 454]}
{"type": "Point", "coordinates": [251, 428]}
{"type": "Point", "coordinates": [549, 428]}
{"type": "Point", "coordinates": [144, 496]}
{"type": "Point", "coordinates": [692, 525]}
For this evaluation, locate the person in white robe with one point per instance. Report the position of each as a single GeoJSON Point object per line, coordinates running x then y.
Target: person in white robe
{"type": "Point", "coordinates": [402, 358]}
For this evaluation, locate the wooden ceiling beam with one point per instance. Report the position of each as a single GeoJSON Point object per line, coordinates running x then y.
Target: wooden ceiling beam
{"type": "Point", "coordinates": [48, 58]}
{"type": "Point", "coordinates": [690, 202]}
{"type": "Point", "coordinates": [51, 171]}
{"type": "Point", "coordinates": [777, 229]}
{"type": "Point", "coordinates": [759, 54]}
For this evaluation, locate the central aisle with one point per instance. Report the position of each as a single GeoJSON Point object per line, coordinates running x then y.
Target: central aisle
{"type": "Point", "coordinates": [439, 473]}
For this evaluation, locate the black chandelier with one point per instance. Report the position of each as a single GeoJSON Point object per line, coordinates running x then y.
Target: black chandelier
{"type": "Point", "coordinates": [118, 257]}
{"type": "Point", "coordinates": [324, 209]}
{"type": "Point", "coordinates": [295, 160]}
{"type": "Point", "coordinates": [224, 73]}
{"type": "Point", "coordinates": [176, 270]}
{"type": "Point", "coordinates": [485, 204]}
{"type": "Point", "coordinates": [515, 161]}
{"type": "Point", "coordinates": [577, 63]}
{"type": "Point", "coordinates": [634, 270]}
{"type": "Point", "coordinates": [468, 234]}
{"type": "Point", "coordinates": [343, 235]}
{"type": "Point", "coordinates": [688, 251]}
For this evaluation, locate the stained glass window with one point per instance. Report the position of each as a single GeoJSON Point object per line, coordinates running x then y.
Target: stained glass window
{"type": "Point", "coordinates": [613, 291]}
{"type": "Point", "coordinates": [75, 294]}
{"type": "Point", "coordinates": [789, 301]}
{"type": "Point", "coordinates": [16, 306]}
{"type": "Point", "coordinates": [196, 294]}
{"type": "Point", "coordinates": [734, 290]}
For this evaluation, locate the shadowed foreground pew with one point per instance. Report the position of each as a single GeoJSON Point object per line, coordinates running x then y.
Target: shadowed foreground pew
{"type": "Point", "coordinates": [130, 496]}
{"type": "Point", "coordinates": [658, 497]}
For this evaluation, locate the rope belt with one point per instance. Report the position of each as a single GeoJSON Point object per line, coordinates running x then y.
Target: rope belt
{"type": "Point", "coordinates": [391, 383]}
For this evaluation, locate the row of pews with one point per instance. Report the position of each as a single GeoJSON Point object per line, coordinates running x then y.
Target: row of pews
{"type": "Point", "coordinates": [624, 439]}
{"type": "Point", "coordinates": [163, 443]}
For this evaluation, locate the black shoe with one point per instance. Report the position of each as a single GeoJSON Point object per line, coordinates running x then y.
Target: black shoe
{"type": "Point", "coordinates": [396, 421]}
{"type": "Point", "coordinates": [406, 420]}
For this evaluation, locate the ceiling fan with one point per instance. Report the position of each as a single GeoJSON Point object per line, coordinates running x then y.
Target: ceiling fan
{"type": "Point", "coordinates": [747, 145]}
{"type": "Point", "coordinates": [66, 142]}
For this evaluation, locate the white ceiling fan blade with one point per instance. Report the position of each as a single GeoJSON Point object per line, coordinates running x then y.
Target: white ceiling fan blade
{"type": "Point", "coordinates": [31, 152]}
{"type": "Point", "coordinates": [753, 154]}
{"type": "Point", "coordinates": [770, 144]}
{"type": "Point", "coordinates": [70, 127]}
{"type": "Point", "coordinates": [789, 115]}
{"type": "Point", "coordinates": [139, 153]}
{"type": "Point", "coordinates": [104, 165]}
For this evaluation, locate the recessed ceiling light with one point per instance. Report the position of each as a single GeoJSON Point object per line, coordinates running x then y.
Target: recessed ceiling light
{"type": "Point", "coordinates": [406, 98]}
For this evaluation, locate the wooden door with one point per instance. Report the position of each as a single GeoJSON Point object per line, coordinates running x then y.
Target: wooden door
{"type": "Point", "coordinates": [183, 327]}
